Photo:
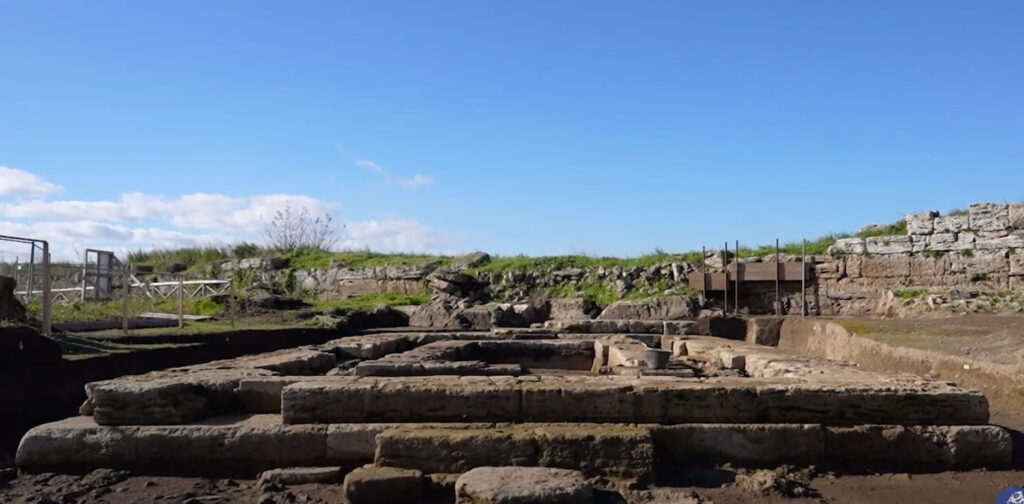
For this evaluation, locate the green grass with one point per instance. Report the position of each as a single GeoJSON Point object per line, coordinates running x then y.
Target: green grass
{"type": "Point", "coordinates": [316, 258]}
{"type": "Point", "coordinates": [909, 293]}
{"type": "Point", "coordinates": [111, 310]}
{"type": "Point", "coordinates": [897, 228]}
{"type": "Point", "coordinates": [522, 263]}
{"type": "Point", "coordinates": [373, 300]}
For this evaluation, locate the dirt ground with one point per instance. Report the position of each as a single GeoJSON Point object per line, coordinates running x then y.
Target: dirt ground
{"type": "Point", "coordinates": [114, 487]}
{"type": "Point", "coordinates": [994, 338]}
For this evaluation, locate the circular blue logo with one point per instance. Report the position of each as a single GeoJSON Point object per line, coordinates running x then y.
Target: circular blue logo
{"type": "Point", "coordinates": [1012, 495]}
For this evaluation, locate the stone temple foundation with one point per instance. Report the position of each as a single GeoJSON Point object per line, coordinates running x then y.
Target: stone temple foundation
{"type": "Point", "coordinates": [612, 399]}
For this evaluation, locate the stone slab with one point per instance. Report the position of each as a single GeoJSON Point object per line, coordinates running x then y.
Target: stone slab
{"type": "Point", "coordinates": [522, 485]}
{"type": "Point", "coordinates": [744, 445]}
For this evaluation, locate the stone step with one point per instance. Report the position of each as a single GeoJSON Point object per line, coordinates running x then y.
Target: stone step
{"type": "Point", "coordinates": [615, 399]}
{"type": "Point", "coordinates": [244, 446]}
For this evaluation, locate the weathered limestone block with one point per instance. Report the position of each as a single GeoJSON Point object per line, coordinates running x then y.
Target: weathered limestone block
{"type": "Point", "coordinates": [853, 265]}
{"type": "Point", "coordinates": [372, 346]}
{"type": "Point", "coordinates": [748, 445]}
{"type": "Point", "coordinates": [661, 308]}
{"type": "Point", "coordinates": [383, 485]}
{"type": "Point", "coordinates": [764, 330]}
{"type": "Point", "coordinates": [401, 399]}
{"type": "Point", "coordinates": [573, 309]}
{"type": "Point", "coordinates": [928, 266]}
{"type": "Point", "coordinates": [941, 242]}
{"type": "Point", "coordinates": [1016, 261]}
{"type": "Point", "coordinates": [851, 245]}
{"type": "Point", "coordinates": [885, 267]}
{"type": "Point", "coordinates": [288, 476]}
{"type": "Point", "coordinates": [296, 363]}
{"type": "Point", "coordinates": [522, 485]}
{"type": "Point", "coordinates": [225, 449]}
{"type": "Point", "coordinates": [979, 263]}
{"type": "Point", "coordinates": [851, 405]}
{"type": "Point", "coordinates": [662, 401]}
{"type": "Point", "coordinates": [951, 224]}
{"type": "Point", "coordinates": [1013, 240]}
{"type": "Point", "coordinates": [176, 400]}
{"type": "Point", "coordinates": [989, 217]}
{"type": "Point", "coordinates": [579, 399]}
{"type": "Point", "coordinates": [1016, 215]}
{"type": "Point", "coordinates": [894, 244]}
{"type": "Point", "coordinates": [830, 270]}
{"type": "Point", "coordinates": [681, 327]}
{"type": "Point", "coordinates": [940, 447]}
{"type": "Point", "coordinates": [921, 223]}
{"type": "Point", "coordinates": [608, 450]}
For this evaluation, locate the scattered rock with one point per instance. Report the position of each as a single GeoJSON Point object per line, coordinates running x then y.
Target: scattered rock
{"type": "Point", "coordinates": [781, 482]}
{"type": "Point", "coordinates": [300, 475]}
{"type": "Point", "coordinates": [522, 485]}
{"type": "Point", "coordinates": [374, 485]}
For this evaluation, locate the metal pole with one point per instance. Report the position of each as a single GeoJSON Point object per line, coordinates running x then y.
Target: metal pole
{"type": "Point", "coordinates": [736, 293]}
{"type": "Point", "coordinates": [231, 300]}
{"type": "Point", "coordinates": [778, 302]}
{"type": "Point", "coordinates": [181, 303]}
{"type": "Point", "coordinates": [31, 264]}
{"type": "Point", "coordinates": [47, 308]}
{"type": "Point", "coordinates": [725, 262]}
{"type": "Point", "coordinates": [703, 275]}
{"type": "Point", "coordinates": [85, 273]}
{"type": "Point", "coordinates": [803, 278]}
{"type": "Point", "coordinates": [125, 295]}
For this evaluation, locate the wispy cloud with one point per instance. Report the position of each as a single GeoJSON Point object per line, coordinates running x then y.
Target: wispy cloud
{"type": "Point", "coordinates": [145, 221]}
{"type": "Point", "coordinates": [414, 182]}
{"type": "Point", "coordinates": [15, 182]}
{"type": "Point", "coordinates": [370, 165]}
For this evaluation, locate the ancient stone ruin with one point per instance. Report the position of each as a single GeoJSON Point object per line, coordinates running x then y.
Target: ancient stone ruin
{"type": "Point", "coordinates": [403, 412]}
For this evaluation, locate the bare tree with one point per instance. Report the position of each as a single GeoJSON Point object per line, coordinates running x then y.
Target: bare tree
{"type": "Point", "coordinates": [293, 228]}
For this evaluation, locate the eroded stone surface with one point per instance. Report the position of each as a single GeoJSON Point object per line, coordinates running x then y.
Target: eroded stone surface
{"type": "Point", "coordinates": [522, 485]}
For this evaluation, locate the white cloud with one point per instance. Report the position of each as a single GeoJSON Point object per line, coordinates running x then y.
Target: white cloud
{"type": "Point", "coordinates": [370, 165]}
{"type": "Point", "coordinates": [145, 221]}
{"type": "Point", "coordinates": [396, 236]}
{"type": "Point", "coordinates": [15, 182]}
{"type": "Point", "coordinates": [413, 182]}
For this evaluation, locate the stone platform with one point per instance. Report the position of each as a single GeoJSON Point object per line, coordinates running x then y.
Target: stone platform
{"type": "Point", "coordinates": [446, 402]}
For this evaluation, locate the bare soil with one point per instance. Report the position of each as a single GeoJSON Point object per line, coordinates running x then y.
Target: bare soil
{"type": "Point", "coordinates": [112, 487]}
{"type": "Point", "coordinates": [993, 338]}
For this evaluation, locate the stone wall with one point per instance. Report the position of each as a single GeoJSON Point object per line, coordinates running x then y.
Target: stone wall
{"type": "Point", "coordinates": [981, 249]}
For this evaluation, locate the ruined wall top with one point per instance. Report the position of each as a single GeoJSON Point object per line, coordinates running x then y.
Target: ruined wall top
{"type": "Point", "coordinates": [984, 227]}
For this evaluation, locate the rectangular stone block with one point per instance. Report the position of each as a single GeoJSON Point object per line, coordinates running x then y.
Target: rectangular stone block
{"type": "Point", "coordinates": [989, 217]}
{"type": "Point", "coordinates": [589, 399]}
{"type": "Point", "coordinates": [921, 223]}
{"type": "Point", "coordinates": [951, 224]}
{"type": "Point", "coordinates": [850, 405]}
{"type": "Point", "coordinates": [176, 400]}
{"type": "Point", "coordinates": [928, 266]}
{"type": "Point", "coordinates": [893, 244]}
{"type": "Point", "coordinates": [744, 445]}
{"type": "Point", "coordinates": [899, 448]}
{"type": "Point", "coordinates": [1016, 214]}
{"type": "Point", "coordinates": [401, 399]}
{"type": "Point", "coordinates": [607, 450]}
{"type": "Point", "coordinates": [885, 267]}
{"type": "Point", "coordinates": [240, 448]}
{"type": "Point", "coordinates": [668, 402]}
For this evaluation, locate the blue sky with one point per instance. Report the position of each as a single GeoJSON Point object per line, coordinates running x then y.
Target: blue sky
{"type": "Point", "coordinates": [512, 127]}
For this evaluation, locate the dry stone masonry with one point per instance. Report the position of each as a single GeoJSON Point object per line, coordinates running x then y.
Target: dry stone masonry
{"type": "Point", "coordinates": [568, 405]}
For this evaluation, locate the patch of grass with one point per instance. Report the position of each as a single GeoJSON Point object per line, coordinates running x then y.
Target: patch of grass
{"type": "Point", "coordinates": [897, 228]}
{"type": "Point", "coordinates": [979, 277]}
{"type": "Point", "coordinates": [543, 264]}
{"type": "Point", "coordinates": [909, 293]}
{"type": "Point", "coordinates": [111, 310]}
{"type": "Point", "coordinates": [317, 258]}
{"type": "Point", "coordinates": [818, 246]}
{"type": "Point", "coordinates": [372, 300]}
